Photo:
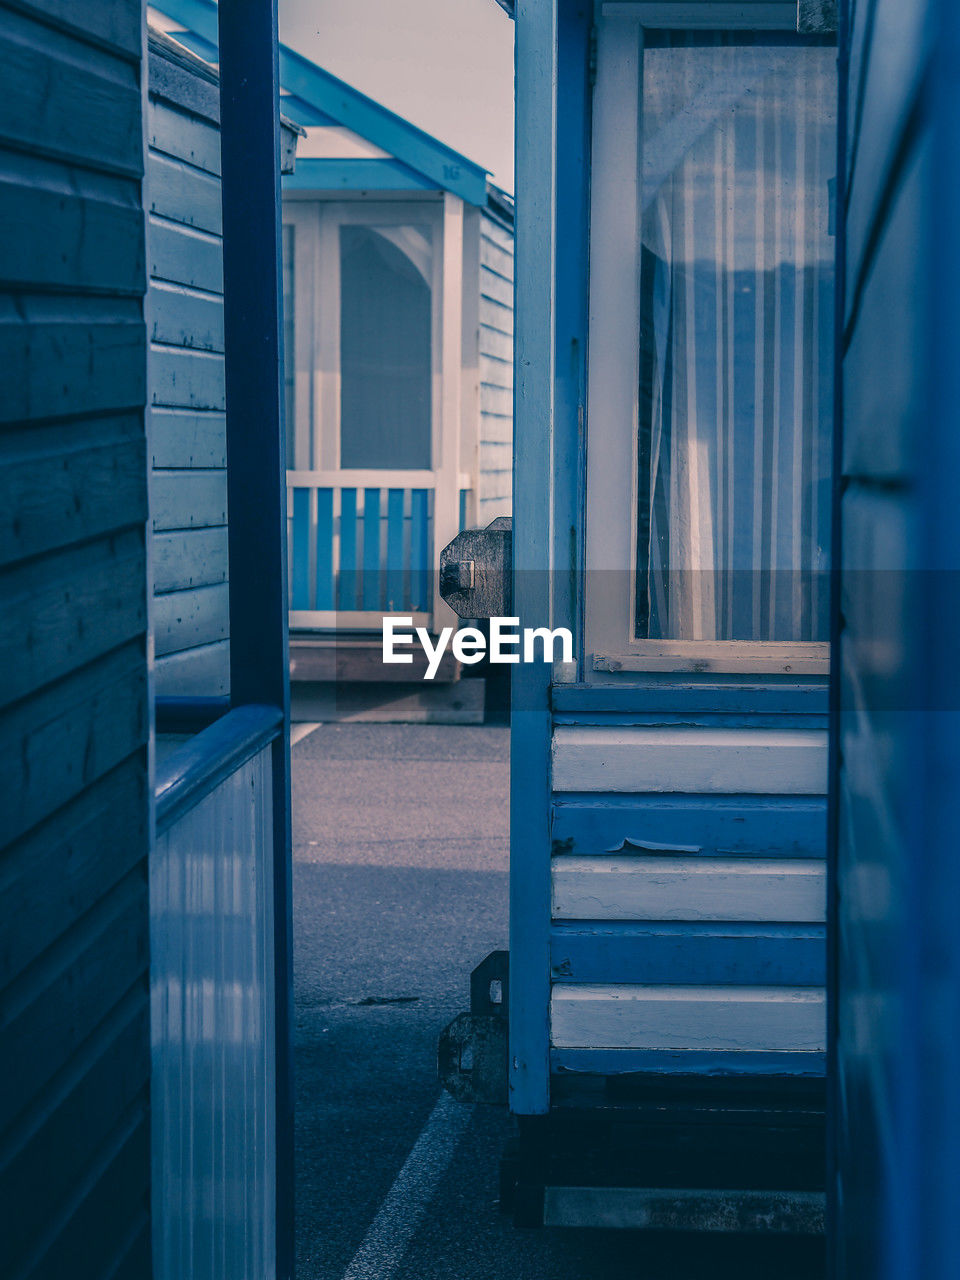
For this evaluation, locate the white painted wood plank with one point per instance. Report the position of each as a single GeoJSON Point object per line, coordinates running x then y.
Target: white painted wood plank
{"type": "Point", "coordinates": [189, 558]}
{"type": "Point", "coordinates": [494, 484]}
{"type": "Point", "coordinates": [499, 235]}
{"type": "Point", "coordinates": [184, 317]}
{"type": "Point", "coordinates": [496, 259]}
{"type": "Point", "coordinates": [664, 1017]}
{"type": "Point", "coordinates": [188, 499]}
{"type": "Point", "coordinates": [497, 345]}
{"type": "Point", "coordinates": [495, 429]}
{"type": "Point", "coordinates": [183, 136]}
{"type": "Point", "coordinates": [194, 673]}
{"type": "Point", "coordinates": [689, 888]}
{"type": "Point", "coordinates": [496, 288]}
{"type": "Point", "coordinates": [495, 371]}
{"type": "Point", "coordinates": [182, 379]}
{"type": "Point", "coordinates": [496, 397]}
{"type": "Point", "coordinates": [496, 315]}
{"type": "Point", "coordinates": [185, 619]}
{"type": "Point", "coordinates": [183, 438]}
{"type": "Point", "coordinates": [185, 255]}
{"type": "Point", "coordinates": [695, 760]}
{"type": "Point", "coordinates": [184, 194]}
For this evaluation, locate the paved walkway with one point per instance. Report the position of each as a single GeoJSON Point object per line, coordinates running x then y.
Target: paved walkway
{"type": "Point", "coordinates": [400, 888]}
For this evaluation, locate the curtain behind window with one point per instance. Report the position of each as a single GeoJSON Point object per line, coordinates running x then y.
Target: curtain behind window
{"type": "Point", "coordinates": [739, 147]}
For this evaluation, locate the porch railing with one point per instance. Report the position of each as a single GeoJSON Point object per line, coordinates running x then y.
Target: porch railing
{"type": "Point", "coordinates": [362, 544]}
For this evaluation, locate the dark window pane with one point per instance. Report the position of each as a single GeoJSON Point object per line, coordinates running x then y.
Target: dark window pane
{"type": "Point", "coordinates": [385, 347]}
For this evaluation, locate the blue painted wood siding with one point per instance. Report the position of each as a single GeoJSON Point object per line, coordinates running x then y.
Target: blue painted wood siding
{"type": "Point", "coordinates": [74, 815]}
{"type": "Point", "coordinates": [188, 479]}
{"type": "Point", "coordinates": [897, 775]}
{"type": "Point", "coordinates": [360, 550]}
{"type": "Point", "coordinates": [494, 496]}
{"type": "Point", "coordinates": [692, 882]}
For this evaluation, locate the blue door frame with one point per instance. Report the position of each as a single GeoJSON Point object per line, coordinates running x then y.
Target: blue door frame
{"type": "Point", "coordinates": [552, 147]}
{"type": "Point", "coordinates": [256, 475]}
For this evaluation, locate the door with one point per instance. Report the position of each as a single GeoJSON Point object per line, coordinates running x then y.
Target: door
{"type": "Point", "coordinates": [372, 472]}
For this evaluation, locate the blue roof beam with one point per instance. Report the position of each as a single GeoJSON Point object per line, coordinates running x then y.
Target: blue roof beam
{"type": "Point", "coordinates": [444, 168]}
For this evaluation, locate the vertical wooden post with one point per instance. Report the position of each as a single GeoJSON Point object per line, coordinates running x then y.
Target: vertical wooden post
{"type": "Point", "coordinates": [529, 1061]}
{"type": "Point", "coordinates": [446, 499]}
{"type": "Point", "coordinates": [256, 493]}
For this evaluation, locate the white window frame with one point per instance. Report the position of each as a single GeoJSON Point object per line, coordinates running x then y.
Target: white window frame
{"type": "Point", "coordinates": [317, 226]}
{"type": "Point", "coordinates": [614, 356]}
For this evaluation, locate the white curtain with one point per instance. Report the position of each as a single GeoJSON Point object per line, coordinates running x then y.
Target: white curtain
{"type": "Point", "coordinates": [736, 340]}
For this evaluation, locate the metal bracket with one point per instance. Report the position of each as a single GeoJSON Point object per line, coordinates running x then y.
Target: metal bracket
{"type": "Point", "coordinates": [476, 571]}
{"type": "Point", "coordinates": [472, 1052]}
{"type": "Point", "coordinates": [816, 17]}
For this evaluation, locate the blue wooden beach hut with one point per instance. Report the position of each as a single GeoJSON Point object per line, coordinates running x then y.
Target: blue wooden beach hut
{"type": "Point", "coordinates": [398, 262]}
{"type": "Point", "coordinates": [676, 244]}
{"type": "Point", "coordinates": [146, 1120]}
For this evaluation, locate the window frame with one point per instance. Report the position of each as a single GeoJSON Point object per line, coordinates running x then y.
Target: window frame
{"type": "Point", "coordinates": [610, 645]}
{"type": "Point", "coordinates": [316, 321]}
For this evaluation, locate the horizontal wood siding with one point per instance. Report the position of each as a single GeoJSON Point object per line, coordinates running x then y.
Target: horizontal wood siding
{"type": "Point", "coordinates": [677, 887]}
{"type": "Point", "coordinates": [762, 761]}
{"type": "Point", "coordinates": [895, 951]}
{"type": "Point", "coordinates": [74, 790]}
{"type": "Point", "coordinates": [688, 879]}
{"type": "Point", "coordinates": [187, 434]}
{"type": "Point", "coordinates": [495, 469]}
{"type": "Point", "coordinates": [670, 1018]}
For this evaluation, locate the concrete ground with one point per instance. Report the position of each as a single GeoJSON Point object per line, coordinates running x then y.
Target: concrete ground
{"type": "Point", "coordinates": [400, 888]}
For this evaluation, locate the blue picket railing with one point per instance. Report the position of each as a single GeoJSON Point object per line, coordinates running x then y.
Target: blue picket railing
{"type": "Point", "coordinates": [364, 549]}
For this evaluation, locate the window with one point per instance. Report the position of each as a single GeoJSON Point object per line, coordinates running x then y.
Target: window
{"type": "Point", "coordinates": [362, 298]}
{"type": "Point", "coordinates": [736, 340]}
{"type": "Point", "coordinates": [385, 347]}
{"type": "Point", "coordinates": [710, 398]}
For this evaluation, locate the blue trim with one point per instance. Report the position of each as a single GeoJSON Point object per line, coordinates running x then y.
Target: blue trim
{"type": "Point", "coordinates": [395, 526]}
{"type": "Point", "coordinates": [325, 581]}
{"type": "Point", "coordinates": [256, 479]}
{"type": "Point", "coordinates": [572, 314]}
{"type": "Point", "coordinates": [347, 577]}
{"type": "Point", "coordinates": [735, 697]}
{"type": "Point", "coordinates": [370, 574]}
{"type": "Point", "coordinates": [300, 551]}
{"type": "Point", "coordinates": [446, 168]}
{"type": "Point", "coordinates": [198, 767]}
{"type": "Point", "coordinates": [535, 358]}
{"type": "Point", "coordinates": [758, 826]}
{"type": "Point", "coordinates": [684, 1062]}
{"type": "Point", "coordinates": [704, 954]}
{"type": "Point", "coordinates": [174, 714]}
{"type": "Point", "coordinates": [419, 549]}
{"type": "Point", "coordinates": [355, 175]}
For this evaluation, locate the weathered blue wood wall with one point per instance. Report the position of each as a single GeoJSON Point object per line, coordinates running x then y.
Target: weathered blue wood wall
{"type": "Point", "coordinates": [495, 462]}
{"type": "Point", "coordinates": [188, 444]}
{"type": "Point", "coordinates": [74, 1031]}
{"type": "Point", "coordinates": [897, 776]}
